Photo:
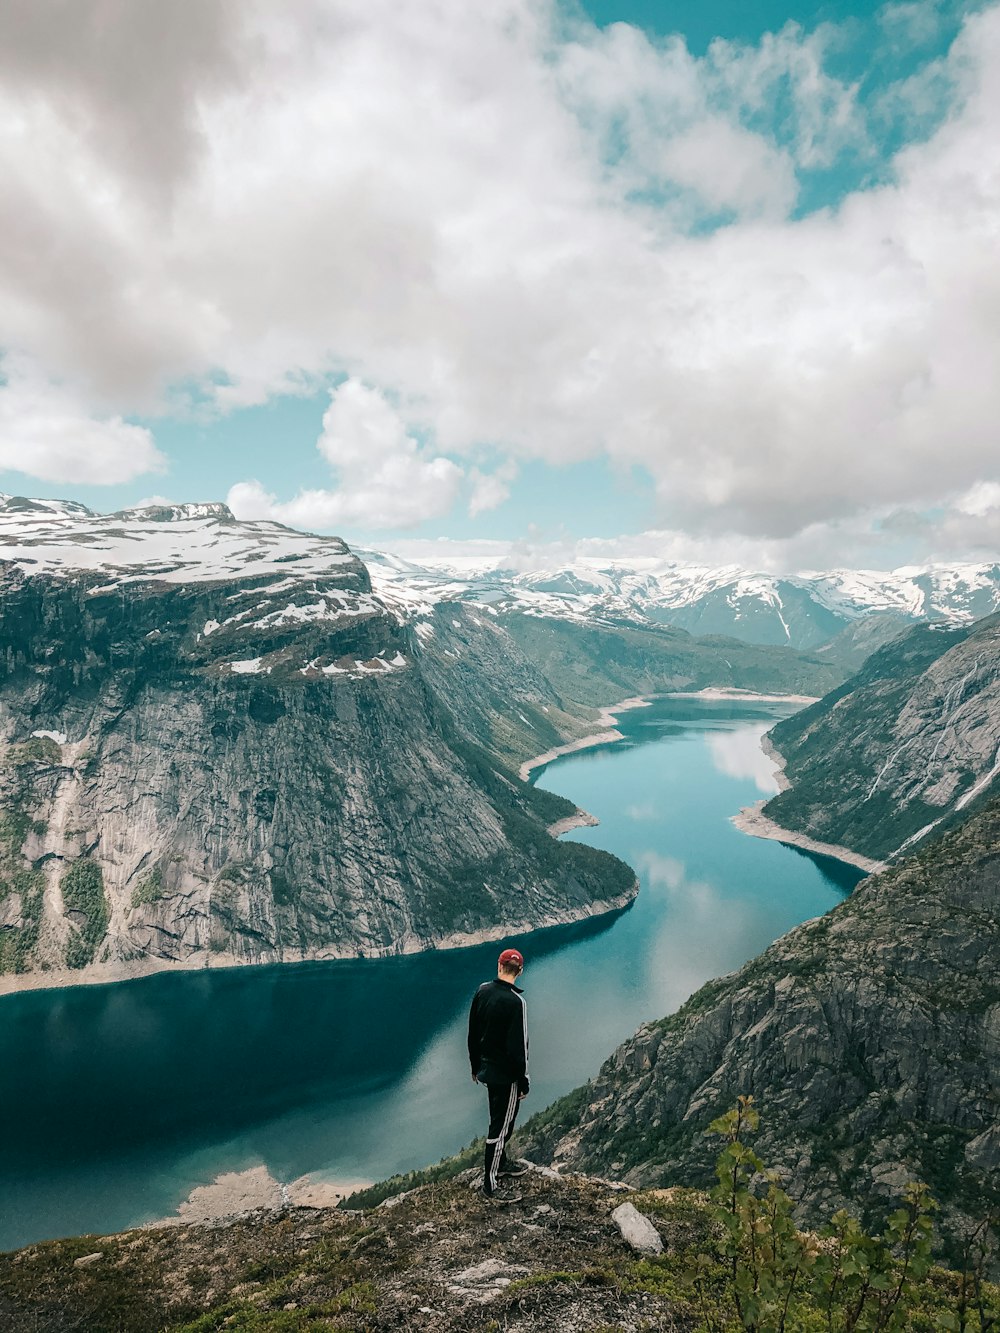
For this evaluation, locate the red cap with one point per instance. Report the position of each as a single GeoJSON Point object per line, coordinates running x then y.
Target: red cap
{"type": "Point", "coordinates": [511, 958]}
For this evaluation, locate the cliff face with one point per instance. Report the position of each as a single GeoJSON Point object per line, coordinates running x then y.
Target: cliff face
{"type": "Point", "coordinates": [219, 744]}
{"type": "Point", "coordinates": [869, 1037]}
{"type": "Point", "coordinates": [909, 742]}
{"type": "Point", "coordinates": [201, 764]}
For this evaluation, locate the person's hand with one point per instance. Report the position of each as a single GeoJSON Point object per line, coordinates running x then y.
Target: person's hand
{"type": "Point", "coordinates": [521, 1096]}
{"type": "Point", "coordinates": [474, 1079]}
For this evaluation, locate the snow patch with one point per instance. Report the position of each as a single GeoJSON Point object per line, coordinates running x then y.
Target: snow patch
{"type": "Point", "coordinates": [58, 736]}
{"type": "Point", "coordinates": [249, 667]}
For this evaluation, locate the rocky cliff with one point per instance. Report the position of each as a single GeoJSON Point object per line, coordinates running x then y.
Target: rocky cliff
{"type": "Point", "coordinates": [901, 748]}
{"type": "Point", "coordinates": [870, 1038]}
{"type": "Point", "coordinates": [218, 746]}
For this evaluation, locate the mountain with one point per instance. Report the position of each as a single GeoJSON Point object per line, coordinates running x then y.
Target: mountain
{"type": "Point", "coordinates": [803, 611]}
{"type": "Point", "coordinates": [907, 743]}
{"type": "Point", "coordinates": [870, 1039]}
{"type": "Point", "coordinates": [216, 744]}
{"type": "Point", "coordinates": [219, 743]}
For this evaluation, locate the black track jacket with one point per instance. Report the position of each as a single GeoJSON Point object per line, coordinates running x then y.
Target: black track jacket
{"type": "Point", "coordinates": [498, 1035]}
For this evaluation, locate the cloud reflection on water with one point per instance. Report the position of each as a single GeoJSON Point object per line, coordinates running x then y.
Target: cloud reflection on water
{"type": "Point", "coordinates": [704, 932]}
{"type": "Point", "coordinates": [737, 754]}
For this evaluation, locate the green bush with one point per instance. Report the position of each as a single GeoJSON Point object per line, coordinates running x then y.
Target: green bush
{"type": "Point", "coordinates": [149, 889]}
{"type": "Point", "coordinates": [776, 1279]}
{"type": "Point", "coordinates": [83, 892]}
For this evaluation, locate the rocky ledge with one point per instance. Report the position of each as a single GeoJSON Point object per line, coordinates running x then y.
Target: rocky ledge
{"type": "Point", "coordinates": [574, 1253]}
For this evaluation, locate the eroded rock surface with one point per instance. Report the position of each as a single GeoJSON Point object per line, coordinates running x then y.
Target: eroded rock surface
{"type": "Point", "coordinates": [870, 1039]}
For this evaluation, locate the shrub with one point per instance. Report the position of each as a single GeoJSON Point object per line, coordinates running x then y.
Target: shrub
{"type": "Point", "coordinates": [83, 892]}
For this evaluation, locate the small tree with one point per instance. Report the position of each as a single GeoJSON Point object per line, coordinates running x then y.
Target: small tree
{"type": "Point", "coordinates": [858, 1283]}
{"type": "Point", "coordinates": [765, 1255]}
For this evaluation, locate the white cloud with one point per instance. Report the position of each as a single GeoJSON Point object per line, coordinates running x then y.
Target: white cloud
{"type": "Point", "coordinates": [729, 168]}
{"type": "Point", "coordinates": [496, 216]}
{"type": "Point", "coordinates": [491, 489]}
{"type": "Point", "coordinates": [385, 479]}
{"type": "Point", "coordinates": [46, 432]}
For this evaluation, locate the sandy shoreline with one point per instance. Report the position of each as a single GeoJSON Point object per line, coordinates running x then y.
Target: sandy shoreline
{"type": "Point", "coordinates": [605, 718]}
{"type": "Point", "coordinates": [581, 819]}
{"type": "Point", "coordinates": [235, 1193]}
{"type": "Point", "coordinates": [752, 820]}
{"type": "Point", "coordinates": [732, 692]}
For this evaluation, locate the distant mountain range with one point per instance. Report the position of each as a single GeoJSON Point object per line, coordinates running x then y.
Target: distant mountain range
{"type": "Point", "coordinates": [174, 543]}
{"type": "Point", "coordinates": [802, 611]}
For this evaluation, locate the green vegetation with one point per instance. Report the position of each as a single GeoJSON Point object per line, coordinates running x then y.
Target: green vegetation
{"type": "Point", "coordinates": [777, 1279]}
{"type": "Point", "coordinates": [149, 889]}
{"type": "Point", "coordinates": [17, 942]}
{"type": "Point", "coordinates": [447, 1169]}
{"type": "Point", "coordinates": [18, 876]}
{"type": "Point", "coordinates": [35, 751]}
{"type": "Point", "coordinates": [83, 892]}
{"type": "Point", "coordinates": [591, 664]}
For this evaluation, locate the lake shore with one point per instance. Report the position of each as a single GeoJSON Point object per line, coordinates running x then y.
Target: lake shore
{"type": "Point", "coordinates": [109, 974]}
{"type": "Point", "coordinates": [751, 819]}
{"type": "Point", "coordinates": [747, 696]}
{"type": "Point", "coordinates": [580, 819]}
{"type": "Point", "coordinates": [605, 719]}
{"type": "Point", "coordinates": [236, 1193]}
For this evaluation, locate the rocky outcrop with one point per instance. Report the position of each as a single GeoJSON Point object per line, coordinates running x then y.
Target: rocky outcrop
{"type": "Point", "coordinates": [910, 742]}
{"type": "Point", "coordinates": [870, 1039]}
{"type": "Point", "coordinates": [199, 766]}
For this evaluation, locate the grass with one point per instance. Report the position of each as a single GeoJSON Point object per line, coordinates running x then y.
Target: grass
{"type": "Point", "coordinates": [374, 1270]}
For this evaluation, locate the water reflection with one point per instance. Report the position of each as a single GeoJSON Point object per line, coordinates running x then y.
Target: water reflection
{"type": "Point", "coordinates": [738, 754]}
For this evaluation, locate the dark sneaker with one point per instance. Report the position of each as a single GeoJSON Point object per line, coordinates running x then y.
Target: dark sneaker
{"type": "Point", "coordinates": [511, 1168]}
{"type": "Point", "coordinates": [504, 1194]}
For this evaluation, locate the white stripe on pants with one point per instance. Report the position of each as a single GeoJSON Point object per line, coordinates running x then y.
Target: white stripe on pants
{"type": "Point", "coordinates": [491, 1182]}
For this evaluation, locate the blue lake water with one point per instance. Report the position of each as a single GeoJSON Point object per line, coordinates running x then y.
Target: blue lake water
{"type": "Point", "coordinates": [118, 1100]}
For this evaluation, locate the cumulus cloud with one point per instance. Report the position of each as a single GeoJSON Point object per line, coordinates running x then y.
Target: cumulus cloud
{"type": "Point", "coordinates": [491, 489]}
{"type": "Point", "coordinates": [385, 480]}
{"type": "Point", "coordinates": [501, 218]}
{"type": "Point", "coordinates": [46, 432]}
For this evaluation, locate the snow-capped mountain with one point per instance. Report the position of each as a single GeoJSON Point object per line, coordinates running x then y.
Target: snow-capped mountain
{"type": "Point", "coordinates": [801, 611]}
{"type": "Point", "coordinates": [301, 575]}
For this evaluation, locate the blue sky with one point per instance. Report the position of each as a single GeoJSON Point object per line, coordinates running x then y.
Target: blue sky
{"type": "Point", "coordinates": [549, 276]}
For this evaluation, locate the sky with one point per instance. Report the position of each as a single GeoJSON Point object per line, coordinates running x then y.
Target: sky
{"type": "Point", "coordinates": [710, 281]}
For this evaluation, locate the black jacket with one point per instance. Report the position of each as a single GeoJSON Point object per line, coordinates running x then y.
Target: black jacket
{"type": "Point", "coordinates": [498, 1035]}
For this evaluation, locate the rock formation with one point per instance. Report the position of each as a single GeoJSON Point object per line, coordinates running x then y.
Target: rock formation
{"type": "Point", "coordinates": [901, 748]}
{"type": "Point", "coordinates": [870, 1039]}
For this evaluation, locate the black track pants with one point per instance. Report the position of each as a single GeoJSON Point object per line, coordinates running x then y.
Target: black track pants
{"type": "Point", "coordinates": [504, 1102]}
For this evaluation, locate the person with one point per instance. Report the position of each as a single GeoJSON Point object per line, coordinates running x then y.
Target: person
{"type": "Point", "coordinates": [498, 1054]}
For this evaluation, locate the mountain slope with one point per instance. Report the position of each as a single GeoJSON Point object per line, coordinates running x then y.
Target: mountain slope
{"type": "Point", "coordinates": [870, 1038]}
{"type": "Point", "coordinates": [802, 611]}
{"type": "Point", "coordinates": [904, 745]}
{"type": "Point", "coordinates": [217, 745]}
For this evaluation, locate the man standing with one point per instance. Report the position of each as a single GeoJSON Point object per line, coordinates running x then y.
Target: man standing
{"type": "Point", "coordinates": [498, 1053]}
